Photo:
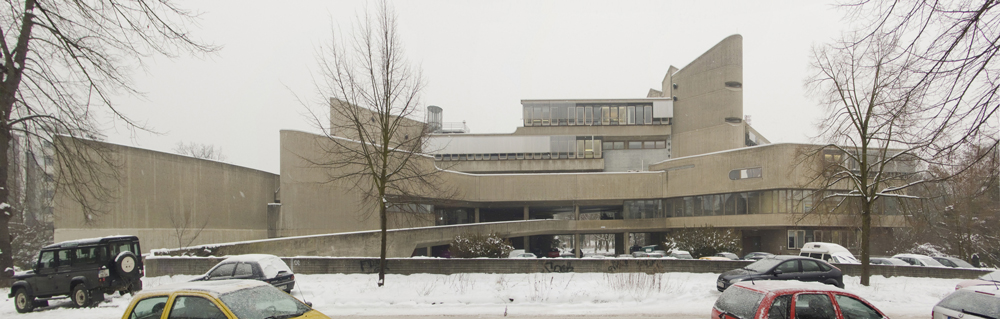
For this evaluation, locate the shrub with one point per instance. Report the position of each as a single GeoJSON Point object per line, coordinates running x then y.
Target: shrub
{"type": "Point", "coordinates": [472, 245]}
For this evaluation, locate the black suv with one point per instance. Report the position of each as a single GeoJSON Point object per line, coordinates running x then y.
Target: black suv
{"type": "Point", "coordinates": [84, 270]}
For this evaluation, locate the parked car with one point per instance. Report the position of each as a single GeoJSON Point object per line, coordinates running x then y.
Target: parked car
{"type": "Point", "coordinates": [757, 255]}
{"type": "Point", "coordinates": [887, 261]}
{"type": "Point", "coordinates": [918, 260]}
{"type": "Point", "coordinates": [730, 256]}
{"type": "Point", "coordinates": [991, 279]}
{"type": "Point", "coordinates": [791, 299]}
{"type": "Point", "coordinates": [266, 268]}
{"type": "Point", "coordinates": [953, 262]}
{"type": "Point", "coordinates": [221, 299]}
{"type": "Point", "coordinates": [680, 254]}
{"type": "Point", "coordinates": [829, 252]}
{"type": "Point", "coordinates": [84, 270]}
{"type": "Point", "coordinates": [969, 303]}
{"type": "Point", "coordinates": [713, 258]}
{"type": "Point", "coordinates": [784, 268]}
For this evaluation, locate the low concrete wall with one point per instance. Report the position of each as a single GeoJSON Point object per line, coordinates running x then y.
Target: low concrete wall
{"type": "Point", "coordinates": [162, 266]}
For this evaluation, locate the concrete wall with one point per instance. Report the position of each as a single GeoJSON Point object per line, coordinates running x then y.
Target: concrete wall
{"type": "Point", "coordinates": [704, 102]}
{"type": "Point", "coordinates": [164, 266]}
{"type": "Point", "coordinates": [161, 196]}
{"type": "Point", "coordinates": [525, 166]}
{"type": "Point", "coordinates": [625, 160]}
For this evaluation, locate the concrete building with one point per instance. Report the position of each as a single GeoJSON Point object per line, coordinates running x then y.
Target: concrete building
{"type": "Point", "coordinates": [633, 168]}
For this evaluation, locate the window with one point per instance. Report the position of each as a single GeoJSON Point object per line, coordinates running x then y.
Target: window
{"type": "Point", "coordinates": [661, 144]}
{"type": "Point", "coordinates": [619, 145]}
{"type": "Point", "coordinates": [89, 255]}
{"type": "Point", "coordinates": [597, 115]}
{"type": "Point", "coordinates": [648, 144]}
{"type": "Point", "coordinates": [589, 148]}
{"type": "Point", "coordinates": [634, 145]}
{"type": "Point", "coordinates": [527, 116]}
{"type": "Point", "coordinates": [148, 308]}
{"type": "Point", "coordinates": [545, 116]}
{"type": "Point", "coordinates": [224, 270]}
{"type": "Point", "coordinates": [589, 113]}
{"type": "Point", "coordinates": [810, 266]}
{"type": "Point", "coordinates": [796, 238]}
{"type": "Point", "coordinates": [614, 115]}
{"type": "Point", "coordinates": [47, 259]}
{"type": "Point", "coordinates": [638, 114]}
{"type": "Point", "coordinates": [853, 308]}
{"type": "Point", "coordinates": [609, 145]}
{"type": "Point", "coordinates": [244, 270]}
{"type": "Point", "coordinates": [622, 115]}
{"type": "Point", "coordinates": [648, 114]}
{"type": "Point", "coordinates": [813, 306]}
{"type": "Point", "coordinates": [791, 266]}
{"type": "Point", "coordinates": [579, 148]}
{"type": "Point", "coordinates": [580, 118]}
{"type": "Point", "coordinates": [631, 115]}
{"type": "Point", "coordinates": [536, 118]}
{"type": "Point", "coordinates": [66, 257]}
{"type": "Point", "coordinates": [571, 115]}
{"type": "Point", "coordinates": [738, 174]}
{"type": "Point", "coordinates": [195, 307]}
{"type": "Point", "coordinates": [739, 302]}
{"type": "Point", "coordinates": [605, 115]}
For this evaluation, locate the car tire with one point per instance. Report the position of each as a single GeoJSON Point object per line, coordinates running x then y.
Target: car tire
{"type": "Point", "coordinates": [23, 301]}
{"type": "Point", "coordinates": [80, 296]}
{"type": "Point", "coordinates": [127, 265]}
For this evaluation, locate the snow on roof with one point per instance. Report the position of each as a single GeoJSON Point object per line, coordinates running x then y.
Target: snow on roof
{"type": "Point", "coordinates": [786, 285]}
{"type": "Point", "coordinates": [271, 265]}
{"type": "Point", "coordinates": [213, 287]}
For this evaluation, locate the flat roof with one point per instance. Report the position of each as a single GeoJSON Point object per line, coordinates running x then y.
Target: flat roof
{"type": "Point", "coordinates": [625, 100]}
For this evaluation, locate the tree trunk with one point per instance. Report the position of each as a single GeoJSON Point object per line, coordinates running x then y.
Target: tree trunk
{"type": "Point", "coordinates": [866, 226]}
{"type": "Point", "coordinates": [381, 261]}
{"type": "Point", "coordinates": [6, 251]}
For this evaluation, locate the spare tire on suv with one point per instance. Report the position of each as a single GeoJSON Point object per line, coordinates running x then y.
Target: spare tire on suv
{"type": "Point", "coordinates": [83, 270]}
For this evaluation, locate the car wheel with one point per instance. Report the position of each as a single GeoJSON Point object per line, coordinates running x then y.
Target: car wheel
{"type": "Point", "coordinates": [126, 265]}
{"type": "Point", "coordinates": [23, 302]}
{"type": "Point", "coordinates": [80, 296]}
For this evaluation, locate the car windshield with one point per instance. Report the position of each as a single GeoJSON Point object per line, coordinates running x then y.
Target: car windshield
{"type": "Point", "coordinates": [763, 264]}
{"type": "Point", "coordinates": [993, 276]}
{"type": "Point", "coordinates": [971, 302]}
{"type": "Point", "coordinates": [739, 302]}
{"type": "Point", "coordinates": [263, 302]}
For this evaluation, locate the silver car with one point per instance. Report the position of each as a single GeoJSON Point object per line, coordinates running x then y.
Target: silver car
{"type": "Point", "coordinates": [969, 303]}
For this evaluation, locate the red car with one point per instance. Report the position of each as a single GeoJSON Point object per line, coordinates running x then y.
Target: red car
{"type": "Point", "coordinates": [791, 299]}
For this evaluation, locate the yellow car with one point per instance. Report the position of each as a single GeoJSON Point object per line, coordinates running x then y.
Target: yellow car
{"type": "Point", "coordinates": [223, 299]}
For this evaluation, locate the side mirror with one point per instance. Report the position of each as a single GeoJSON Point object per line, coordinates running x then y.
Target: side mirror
{"type": "Point", "coordinates": [310, 304]}
{"type": "Point", "coordinates": [778, 272]}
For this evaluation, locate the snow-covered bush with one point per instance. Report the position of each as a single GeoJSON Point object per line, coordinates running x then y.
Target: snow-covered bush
{"type": "Point", "coordinates": [472, 245]}
{"type": "Point", "coordinates": [705, 241]}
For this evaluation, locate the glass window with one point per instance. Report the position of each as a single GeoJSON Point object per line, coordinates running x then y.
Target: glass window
{"type": "Point", "coordinates": [622, 115]}
{"type": "Point", "coordinates": [244, 270]}
{"type": "Point", "coordinates": [545, 116]}
{"type": "Point", "coordinates": [634, 145]}
{"type": "Point", "coordinates": [520, 156]}
{"type": "Point", "coordinates": [782, 201]}
{"type": "Point", "coordinates": [648, 144]}
{"type": "Point", "coordinates": [579, 149]}
{"type": "Point", "coordinates": [224, 270]}
{"type": "Point", "coordinates": [638, 114]}
{"type": "Point", "coordinates": [527, 116]}
{"type": "Point", "coordinates": [580, 118]}
{"type": "Point", "coordinates": [648, 114]}
{"type": "Point", "coordinates": [609, 145]}
{"type": "Point", "coordinates": [814, 306]}
{"type": "Point", "coordinates": [619, 145]}
{"type": "Point", "coordinates": [571, 115]}
{"type": "Point", "coordinates": [558, 115]}
{"type": "Point", "coordinates": [780, 308]}
{"type": "Point", "coordinates": [853, 308]}
{"type": "Point", "coordinates": [597, 149]}
{"type": "Point", "coordinates": [631, 115]}
{"type": "Point", "coordinates": [597, 115]}
{"type": "Point", "coordinates": [536, 117]}
{"type": "Point", "coordinates": [589, 113]}
{"type": "Point", "coordinates": [689, 206]}
{"type": "Point", "coordinates": [606, 115]}
{"type": "Point", "coordinates": [589, 148]}
{"type": "Point", "coordinates": [65, 257]}
{"type": "Point", "coordinates": [47, 259]}
{"type": "Point", "coordinates": [753, 203]}
{"type": "Point", "coordinates": [195, 307]}
{"type": "Point", "coordinates": [791, 266]}
{"type": "Point", "coordinates": [739, 302]}
{"type": "Point", "coordinates": [661, 144]}
{"type": "Point", "coordinates": [614, 115]}
{"type": "Point", "coordinates": [151, 307]}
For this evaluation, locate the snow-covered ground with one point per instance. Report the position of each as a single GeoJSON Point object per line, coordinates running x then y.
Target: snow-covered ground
{"type": "Point", "coordinates": [594, 294]}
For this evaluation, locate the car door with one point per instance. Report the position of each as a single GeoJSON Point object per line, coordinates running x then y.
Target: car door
{"type": "Point", "coordinates": [813, 306]}
{"type": "Point", "coordinates": [150, 307]}
{"type": "Point", "coordinates": [191, 306]}
{"type": "Point", "coordinates": [45, 274]}
{"type": "Point", "coordinates": [811, 271]}
{"type": "Point", "coordinates": [790, 270]}
{"type": "Point", "coordinates": [64, 272]}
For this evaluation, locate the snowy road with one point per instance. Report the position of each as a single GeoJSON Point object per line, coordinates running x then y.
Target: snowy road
{"type": "Point", "coordinates": [673, 295]}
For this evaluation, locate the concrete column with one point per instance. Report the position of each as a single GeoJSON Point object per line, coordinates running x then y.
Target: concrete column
{"type": "Point", "coordinates": [576, 212]}
{"type": "Point", "coordinates": [620, 243]}
{"type": "Point", "coordinates": [428, 251]}
{"type": "Point", "coordinates": [576, 243]}
{"type": "Point", "coordinates": [527, 239]}
{"type": "Point", "coordinates": [477, 215]}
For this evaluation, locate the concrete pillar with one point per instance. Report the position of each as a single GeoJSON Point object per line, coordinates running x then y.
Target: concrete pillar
{"type": "Point", "coordinates": [619, 244]}
{"type": "Point", "coordinates": [527, 241]}
{"type": "Point", "coordinates": [576, 243]}
{"type": "Point", "coordinates": [477, 215]}
{"type": "Point", "coordinates": [576, 212]}
{"type": "Point", "coordinates": [429, 251]}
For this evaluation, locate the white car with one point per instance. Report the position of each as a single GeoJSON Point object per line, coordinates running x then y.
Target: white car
{"type": "Point", "coordinates": [829, 252]}
{"type": "Point", "coordinates": [919, 260]}
{"type": "Point", "coordinates": [969, 303]}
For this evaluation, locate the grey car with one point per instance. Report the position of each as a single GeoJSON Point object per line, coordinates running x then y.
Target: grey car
{"type": "Point", "coordinates": [784, 268]}
{"type": "Point", "coordinates": [953, 262]}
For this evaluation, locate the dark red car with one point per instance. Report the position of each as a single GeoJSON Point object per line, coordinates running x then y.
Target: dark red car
{"type": "Point", "coordinates": [791, 299]}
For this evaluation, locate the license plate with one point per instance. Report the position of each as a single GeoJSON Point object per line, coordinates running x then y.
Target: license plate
{"type": "Point", "coordinates": [720, 284]}
{"type": "Point", "coordinates": [283, 287]}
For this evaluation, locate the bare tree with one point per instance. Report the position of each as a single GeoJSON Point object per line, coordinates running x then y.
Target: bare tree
{"type": "Point", "coordinates": [61, 62]}
{"type": "Point", "coordinates": [187, 227]}
{"type": "Point", "coordinates": [912, 88]}
{"type": "Point", "coordinates": [202, 151]}
{"type": "Point", "coordinates": [376, 142]}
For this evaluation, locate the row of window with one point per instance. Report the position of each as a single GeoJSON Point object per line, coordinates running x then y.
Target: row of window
{"type": "Point", "coordinates": [582, 147]}
{"type": "Point", "coordinates": [798, 238]}
{"type": "Point", "coordinates": [569, 114]}
{"type": "Point", "coordinates": [781, 201]}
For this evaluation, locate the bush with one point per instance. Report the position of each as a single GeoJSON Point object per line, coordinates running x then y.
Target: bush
{"type": "Point", "coordinates": [471, 245]}
{"type": "Point", "coordinates": [705, 241]}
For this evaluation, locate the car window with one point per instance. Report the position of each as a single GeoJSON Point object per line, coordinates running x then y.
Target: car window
{"type": "Point", "coordinates": [224, 270]}
{"type": "Point", "coordinates": [89, 255]}
{"type": "Point", "coordinates": [946, 262]}
{"type": "Point", "coordinates": [65, 257]}
{"type": "Point", "coordinates": [789, 266]}
{"type": "Point", "coordinates": [192, 307]}
{"type": "Point", "coordinates": [763, 265]}
{"type": "Point", "coordinates": [809, 265]}
{"type": "Point", "coordinates": [968, 301]}
{"type": "Point", "coordinates": [244, 270]}
{"type": "Point", "coordinates": [47, 260]}
{"type": "Point", "coordinates": [739, 302]}
{"type": "Point", "coordinates": [781, 307]}
{"type": "Point", "coordinates": [263, 302]}
{"type": "Point", "coordinates": [814, 306]}
{"type": "Point", "coordinates": [910, 261]}
{"type": "Point", "coordinates": [855, 309]}
{"type": "Point", "coordinates": [148, 308]}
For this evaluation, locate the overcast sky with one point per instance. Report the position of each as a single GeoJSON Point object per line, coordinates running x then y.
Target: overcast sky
{"type": "Point", "coordinates": [479, 59]}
